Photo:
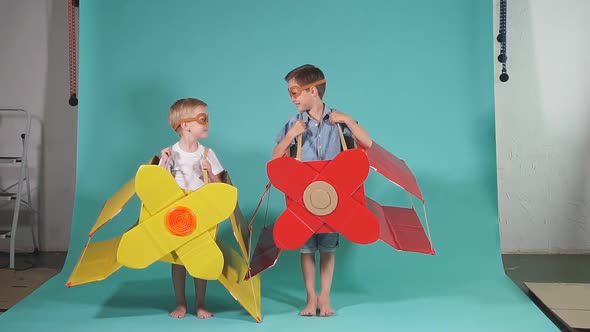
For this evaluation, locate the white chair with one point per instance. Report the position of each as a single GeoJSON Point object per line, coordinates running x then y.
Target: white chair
{"type": "Point", "coordinates": [14, 193]}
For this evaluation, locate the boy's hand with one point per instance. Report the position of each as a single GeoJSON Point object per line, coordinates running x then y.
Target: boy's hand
{"type": "Point", "coordinates": [206, 166]}
{"type": "Point", "coordinates": [339, 117]}
{"type": "Point", "coordinates": [166, 152]}
{"type": "Point", "coordinates": [165, 155]}
{"type": "Point", "coordinates": [297, 129]}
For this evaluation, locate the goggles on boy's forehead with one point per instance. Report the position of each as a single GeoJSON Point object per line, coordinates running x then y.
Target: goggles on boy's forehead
{"type": "Point", "coordinates": [295, 90]}
{"type": "Point", "coordinates": [201, 118]}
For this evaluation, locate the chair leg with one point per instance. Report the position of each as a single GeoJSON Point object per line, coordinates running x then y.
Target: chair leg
{"type": "Point", "coordinates": [14, 226]}
{"type": "Point", "coordinates": [35, 221]}
{"type": "Point", "coordinates": [16, 215]}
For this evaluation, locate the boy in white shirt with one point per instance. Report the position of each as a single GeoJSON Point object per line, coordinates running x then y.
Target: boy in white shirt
{"type": "Point", "coordinates": [190, 119]}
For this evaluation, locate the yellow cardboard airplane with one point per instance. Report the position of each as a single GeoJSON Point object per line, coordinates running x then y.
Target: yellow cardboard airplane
{"type": "Point", "coordinates": [177, 227]}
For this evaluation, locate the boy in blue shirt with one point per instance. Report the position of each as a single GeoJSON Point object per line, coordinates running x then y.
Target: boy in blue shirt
{"type": "Point", "coordinates": [317, 123]}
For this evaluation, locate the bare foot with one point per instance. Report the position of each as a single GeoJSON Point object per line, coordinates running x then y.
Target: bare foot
{"type": "Point", "coordinates": [311, 307]}
{"type": "Point", "coordinates": [324, 305]}
{"type": "Point", "coordinates": [202, 313]}
{"type": "Point", "coordinates": [179, 312]}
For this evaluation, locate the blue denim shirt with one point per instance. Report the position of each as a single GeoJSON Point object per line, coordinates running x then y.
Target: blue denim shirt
{"type": "Point", "coordinates": [321, 140]}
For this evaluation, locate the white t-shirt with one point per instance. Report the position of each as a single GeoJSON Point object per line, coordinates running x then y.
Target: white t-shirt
{"type": "Point", "coordinates": [186, 166]}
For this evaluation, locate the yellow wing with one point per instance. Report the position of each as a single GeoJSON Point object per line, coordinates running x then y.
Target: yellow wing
{"type": "Point", "coordinates": [246, 292]}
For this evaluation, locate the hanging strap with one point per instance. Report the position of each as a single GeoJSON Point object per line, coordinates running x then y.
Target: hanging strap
{"type": "Point", "coordinates": [340, 133]}
{"type": "Point", "coordinates": [342, 140]}
{"type": "Point", "coordinates": [299, 143]}
{"type": "Point", "coordinates": [205, 172]}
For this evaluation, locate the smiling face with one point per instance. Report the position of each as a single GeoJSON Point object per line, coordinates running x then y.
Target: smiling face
{"type": "Point", "coordinates": [303, 96]}
{"type": "Point", "coordinates": [306, 85]}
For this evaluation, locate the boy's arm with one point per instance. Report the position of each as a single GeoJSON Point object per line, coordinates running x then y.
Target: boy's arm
{"type": "Point", "coordinates": [214, 178]}
{"type": "Point", "coordinates": [358, 132]}
{"type": "Point", "coordinates": [207, 167]}
{"type": "Point", "coordinates": [212, 165]}
{"type": "Point", "coordinates": [282, 147]}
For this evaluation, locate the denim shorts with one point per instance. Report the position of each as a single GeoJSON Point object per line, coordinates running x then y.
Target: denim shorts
{"type": "Point", "coordinates": [324, 242]}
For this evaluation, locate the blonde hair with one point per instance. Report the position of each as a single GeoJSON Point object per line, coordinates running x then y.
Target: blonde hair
{"type": "Point", "coordinates": [182, 109]}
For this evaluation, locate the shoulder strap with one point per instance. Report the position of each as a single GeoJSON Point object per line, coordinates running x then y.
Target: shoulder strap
{"type": "Point", "coordinates": [340, 133]}
{"type": "Point", "coordinates": [205, 173]}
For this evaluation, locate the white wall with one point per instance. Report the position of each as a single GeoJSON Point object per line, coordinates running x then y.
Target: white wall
{"type": "Point", "coordinates": [34, 75]}
{"type": "Point", "coordinates": [542, 122]}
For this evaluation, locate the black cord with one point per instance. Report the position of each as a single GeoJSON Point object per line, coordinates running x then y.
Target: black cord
{"type": "Point", "coordinates": [503, 58]}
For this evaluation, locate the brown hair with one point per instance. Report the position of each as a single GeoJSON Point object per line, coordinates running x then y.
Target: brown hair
{"type": "Point", "coordinates": [307, 74]}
